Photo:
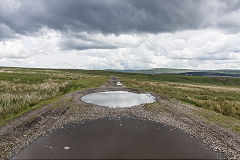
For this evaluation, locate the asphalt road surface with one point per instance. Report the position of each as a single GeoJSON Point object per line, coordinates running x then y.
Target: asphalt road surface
{"type": "Point", "coordinates": [122, 138]}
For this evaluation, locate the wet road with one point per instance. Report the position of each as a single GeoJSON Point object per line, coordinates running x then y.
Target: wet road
{"type": "Point", "coordinates": [124, 138]}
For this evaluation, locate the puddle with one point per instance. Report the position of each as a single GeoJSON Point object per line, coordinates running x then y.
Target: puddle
{"type": "Point", "coordinates": [119, 84]}
{"type": "Point", "coordinates": [126, 138]}
{"type": "Point", "coordinates": [118, 98]}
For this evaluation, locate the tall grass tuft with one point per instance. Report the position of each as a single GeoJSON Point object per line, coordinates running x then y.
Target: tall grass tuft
{"type": "Point", "coordinates": [21, 89]}
{"type": "Point", "coordinates": [16, 97]}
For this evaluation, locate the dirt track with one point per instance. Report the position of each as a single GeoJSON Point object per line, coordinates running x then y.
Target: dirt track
{"type": "Point", "coordinates": [24, 130]}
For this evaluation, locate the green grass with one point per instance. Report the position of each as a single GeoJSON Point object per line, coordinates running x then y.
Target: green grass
{"type": "Point", "coordinates": [224, 99]}
{"type": "Point", "coordinates": [22, 90]}
{"type": "Point", "coordinates": [223, 81]}
{"type": "Point", "coordinates": [9, 117]}
{"type": "Point", "coordinates": [220, 120]}
{"type": "Point", "coordinates": [205, 115]}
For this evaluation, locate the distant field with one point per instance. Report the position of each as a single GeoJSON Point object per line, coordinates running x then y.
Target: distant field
{"type": "Point", "coordinates": [22, 89]}
{"type": "Point", "coordinates": [157, 71]}
{"type": "Point", "coordinates": [227, 72]}
{"type": "Point", "coordinates": [220, 81]}
{"type": "Point", "coordinates": [219, 94]}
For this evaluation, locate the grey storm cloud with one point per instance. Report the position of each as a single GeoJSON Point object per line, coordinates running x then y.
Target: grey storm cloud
{"type": "Point", "coordinates": [84, 42]}
{"type": "Point", "coordinates": [5, 31]}
{"type": "Point", "coordinates": [71, 44]}
{"type": "Point", "coordinates": [115, 16]}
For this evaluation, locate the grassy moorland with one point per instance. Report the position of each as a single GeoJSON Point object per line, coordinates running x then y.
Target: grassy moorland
{"type": "Point", "coordinates": [22, 90]}
{"type": "Point", "coordinates": [219, 94]}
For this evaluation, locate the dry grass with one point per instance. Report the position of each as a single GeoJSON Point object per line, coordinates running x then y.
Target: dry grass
{"type": "Point", "coordinates": [20, 89]}
{"type": "Point", "coordinates": [221, 99]}
{"type": "Point", "coordinates": [15, 97]}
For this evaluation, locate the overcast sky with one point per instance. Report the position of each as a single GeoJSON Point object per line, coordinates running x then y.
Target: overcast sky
{"type": "Point", "coordinates": [118, 34]}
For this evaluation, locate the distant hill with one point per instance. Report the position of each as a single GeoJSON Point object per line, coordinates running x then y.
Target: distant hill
{"type": "Point", "coordinates": [223, 72]}
{"type": "Point", "coordinates": [157, 71]}
{"type": "Point", "coordinates": [213, 74]}
{"type": "Point", "coordinates": [226, 71]}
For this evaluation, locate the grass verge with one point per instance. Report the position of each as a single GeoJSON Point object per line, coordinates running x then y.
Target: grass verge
{"type": "Point", "coordinates": [221, 99]}
{"type": "Point", "coordinates": [26, 90]}
{"type": "Point", "coordinates": [205, 115]}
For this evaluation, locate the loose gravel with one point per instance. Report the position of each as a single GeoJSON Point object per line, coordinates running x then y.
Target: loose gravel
{"type": "Point", "coordinates": [24, 130]}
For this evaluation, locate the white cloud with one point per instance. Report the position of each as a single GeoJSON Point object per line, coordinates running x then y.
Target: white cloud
{"type": "Point", "coordinates": [196, 49]}
{"type": "Point", "coordinates": [45, 42]}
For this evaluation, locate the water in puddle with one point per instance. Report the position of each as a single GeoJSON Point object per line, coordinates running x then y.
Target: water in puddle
{"type": "Point", "coordinates": [126, 138]}
{"type": "Point", "coordinates": [118, 99]}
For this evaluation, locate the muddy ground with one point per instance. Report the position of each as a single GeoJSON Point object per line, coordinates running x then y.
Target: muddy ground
{"type": "Point", "coordinates": [21, 132]}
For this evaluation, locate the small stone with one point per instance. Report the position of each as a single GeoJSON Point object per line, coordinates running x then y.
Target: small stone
{"type": "Point", "coordinates": [66, 148]}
